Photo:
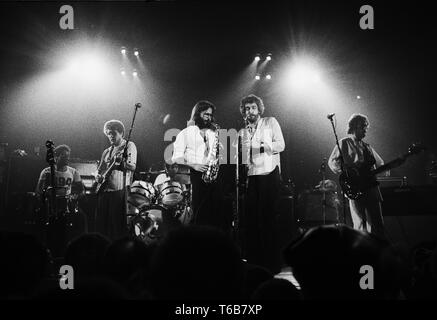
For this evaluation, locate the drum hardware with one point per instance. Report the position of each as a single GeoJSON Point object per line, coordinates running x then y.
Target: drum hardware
{"type": "Point", "coordinates": [155, 209]}
{"type": "Point", "coordinates": [323, 188]}
{"type": "Point", "coordinates": [311, 211]}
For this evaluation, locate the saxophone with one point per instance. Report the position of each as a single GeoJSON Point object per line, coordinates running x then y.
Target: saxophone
{"type": "Point", "coordinates": [210, 175]}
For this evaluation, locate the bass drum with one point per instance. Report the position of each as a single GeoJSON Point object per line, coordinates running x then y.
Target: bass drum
{"type": "Point", "coordinates": [151, 225]}
{"type": "Point", "coordinates": [310, 208]}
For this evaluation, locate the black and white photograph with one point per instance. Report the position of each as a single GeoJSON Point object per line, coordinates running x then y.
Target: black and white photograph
{"type": "Point", "coordinates": [218, 155]}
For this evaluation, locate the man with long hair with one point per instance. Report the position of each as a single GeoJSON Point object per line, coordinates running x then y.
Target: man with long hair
{"type": "Point", "coordinates": [192, 147]}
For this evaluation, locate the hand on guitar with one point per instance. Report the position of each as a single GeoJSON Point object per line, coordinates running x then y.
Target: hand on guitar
{"type": "Point", "coordinates": [99, 178]}
{"type": "Point", "coordinates": [200, 167]}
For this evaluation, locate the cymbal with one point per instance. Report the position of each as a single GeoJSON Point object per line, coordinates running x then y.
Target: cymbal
{"type": "Point", "coordinates": [324, 189]}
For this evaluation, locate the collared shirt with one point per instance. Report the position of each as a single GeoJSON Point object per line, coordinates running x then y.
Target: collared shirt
{"type": "Point", "coordinates": [267, 134]}
{"type": "Point", "coordinates": [64, 180]}
{"type": "Point", "coordinates": [115, 181]}
{"type": "Point", "coordinates": [355, 153]}
{"type": "Point", "coordinates": [192, 147]}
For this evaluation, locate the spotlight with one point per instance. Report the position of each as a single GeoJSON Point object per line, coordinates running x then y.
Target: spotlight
{"type": "Point", "coordinates": [268, 77]}
{"type": "Point", "coordinates": [123, 50]}
{"type": "Point", "coordinates": [135, 73]}
{"type": "Point", "coordinates": [136, 52]}
{"type": "Point", "coordinates": [257, 57]}
{"type": "Point", "coordinates": [257, 77]}
{"type": "Point", "coordinates": [122, 72]}
{"type": "Point", "coordinates": [269, 57]}
{"type": "Point", "coordinates": [358, 97]}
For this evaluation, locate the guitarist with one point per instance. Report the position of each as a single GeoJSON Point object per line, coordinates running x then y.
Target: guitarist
{"type": "Point", "coordinates": [110, 212]}
{"type": "Point", "coordinates": [67, 179]}
{"type": "Point", "coordinates": [366, 211]}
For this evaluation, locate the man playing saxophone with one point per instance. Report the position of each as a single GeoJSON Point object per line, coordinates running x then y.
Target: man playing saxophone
{"type": "Point", "coordinates": [197, 147]}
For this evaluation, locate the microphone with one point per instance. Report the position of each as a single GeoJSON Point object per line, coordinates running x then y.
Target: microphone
{"type": "Point", "coordinates": [330, 115]}
{"type": "Point", "coordinates": [323, 165]}
{"type": "Point", "coordinates": [138, 105]}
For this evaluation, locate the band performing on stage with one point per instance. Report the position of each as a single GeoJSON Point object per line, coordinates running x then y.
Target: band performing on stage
{"type": "Point", "coordinates": [197, 151]}
{"type": "Point", "coordinates": [189, 188]}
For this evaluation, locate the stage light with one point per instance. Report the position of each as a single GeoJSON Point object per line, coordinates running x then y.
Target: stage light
{"type": "Point", "coordinates": [358, 97]}
{"type": "Point", "coordinates": [257, 57]}
{"type": "Point", "coordinates": [135, 73]}
{"type": "Point", "coordinates": [90, 66]}
{"type": "Point", "coordinates": [304, 74]}
{"type": "Point", "coordinates": [136, 52]}
{"type": "Point", "coordinates": [123, 50]}
{"type": "Point", "coordinates": [268, 77]}
{"type": "Point", "coordinates": [269, 57]}
{"type": "Point", "coordinates": [122, 72]}
{"type": "Point", "coordinates": [257, 77]}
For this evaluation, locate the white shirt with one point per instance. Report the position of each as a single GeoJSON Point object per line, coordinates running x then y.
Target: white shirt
{"type": "Point", "coordinates": [64, 180]}
{"type": "Point", "coordinates": [115, 181]}
{"type": "Point", "coordinates": [191, 147]}
{"type": "Point", "coordinates": [353, 154]}
{"type": "Point", "coordinates": [267, 133]}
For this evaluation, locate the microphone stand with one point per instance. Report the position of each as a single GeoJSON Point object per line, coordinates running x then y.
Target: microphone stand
{"type": "Point", "coordinates": [341, 166]}
{"type": "Point", "coordinates": [236, 217]}
{"type": "Point", "coordinates": [323, 171]}
{"type": "Point", "coordinates": [124, 161]}
{"type": "Point", "coordinates": [239, 205]}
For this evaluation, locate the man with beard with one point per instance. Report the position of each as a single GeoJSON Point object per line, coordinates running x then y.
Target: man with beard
{"type": "Point", "coordinates": [263, 141]}
{"type": "Point", "coordinates": [191, 148]}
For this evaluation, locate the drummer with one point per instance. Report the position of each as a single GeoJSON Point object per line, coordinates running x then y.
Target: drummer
{"type": "Point", "coordinates": [173, 172]}
{"type": "Point", "coordinates": [67, 179]}
{"type": "Point", "coordinates": [326, 186]}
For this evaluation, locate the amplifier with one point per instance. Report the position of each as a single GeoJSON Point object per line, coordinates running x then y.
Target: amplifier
{"type": "Point", "coordinates": [409, 200]}
{"type": "Point", "coordinates": [87, 170]}
{"type": "Point", "coordinates": [85, 167]}
{"type": "Point", "coordinates": [410, 215]}
{"type": "Point", "coordinates": [392, 181]}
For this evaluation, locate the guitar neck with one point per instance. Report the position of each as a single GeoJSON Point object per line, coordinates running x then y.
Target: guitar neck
{"type": "Point", "coordinates": [390, 165]}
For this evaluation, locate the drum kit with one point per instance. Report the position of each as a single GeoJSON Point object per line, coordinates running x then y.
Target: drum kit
{"type": "Point", "coordinates": [321, 204]}
{"type": "Point", "coordinates": [156, 208]}
{"type": "Point", "coordinates": [54, 221]}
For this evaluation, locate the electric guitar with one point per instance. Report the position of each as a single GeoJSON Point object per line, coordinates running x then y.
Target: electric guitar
{"type": "Point", "coordinates": [354, 181]}
{"type": "Point", "coordinates": [104, 177]}
{"type": "Point", "coordinates": [50, 158]}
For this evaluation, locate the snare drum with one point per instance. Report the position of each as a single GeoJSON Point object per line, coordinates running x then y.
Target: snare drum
{"type": "Point", "coordinates": [171, 193]}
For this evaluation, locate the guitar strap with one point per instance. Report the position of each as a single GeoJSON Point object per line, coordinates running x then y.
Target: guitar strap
{"type": "Point", "coordinates": [369, 161]}
{"type": "Point", "coordinates": [110, 152]}
{"type": "Point", "coordinates": [369, 158]}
